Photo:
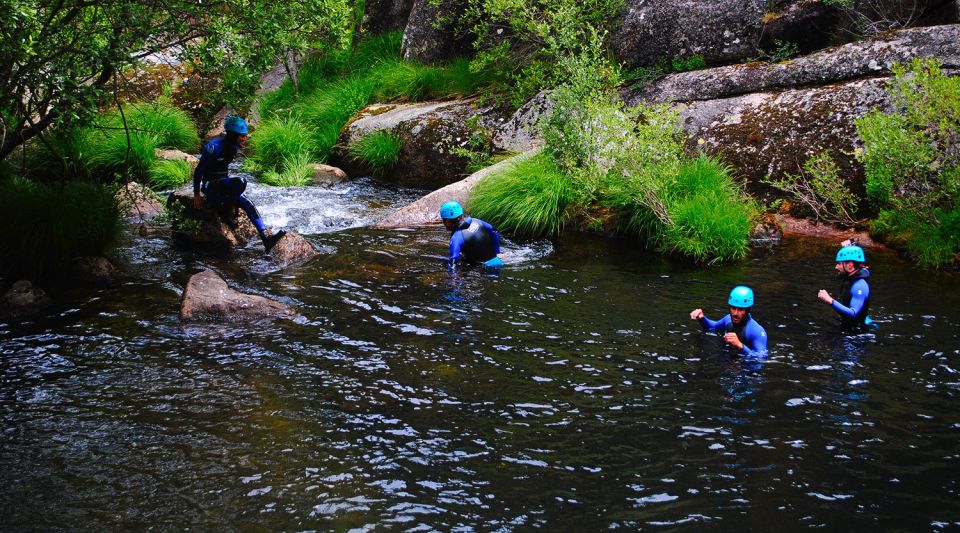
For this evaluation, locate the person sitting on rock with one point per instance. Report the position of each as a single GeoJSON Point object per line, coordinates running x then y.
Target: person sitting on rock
{"type": "Point", "coordinates": [224, 192]}
{"type": "Point", "coordinates": [854, 302]}
{"type": "Point", "coordinates": [472, 240]}
{"type": "Point", "coordinates": [742, 331]}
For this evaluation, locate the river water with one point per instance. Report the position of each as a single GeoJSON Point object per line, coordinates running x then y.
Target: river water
{"type": "Point", "coordinates": [568, 392]}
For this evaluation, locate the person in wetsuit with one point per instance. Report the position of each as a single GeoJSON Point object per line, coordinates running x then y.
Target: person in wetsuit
{"type": "Point", "coordinates": [472, 240]}
{"type": "Point", "coordinates": [223, 191]}
{"type": "Point", "coordinates": [742, 331]}
{"type": "Point", "coordinates": [854, 302]}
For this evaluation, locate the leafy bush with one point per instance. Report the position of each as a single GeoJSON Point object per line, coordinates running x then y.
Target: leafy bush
{"type": "Point", "coordinates": [380, 150]}
{"type": "Point", "coordinates": [912, 163]}
{"type": "Point", "coordinates": [688, 63]}
{"type": "Point", "coordinates": [820, 188]}
{"type": "Point", "coordinates": [166, 175]}
{"type": "Point", "coordinates": [529, 198]}
{"type": "Point", "coordinates": [45, 227]}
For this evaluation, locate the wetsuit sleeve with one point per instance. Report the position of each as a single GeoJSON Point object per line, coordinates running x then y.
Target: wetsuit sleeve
{"type": "Point", "coordinates": [859, 293]}
{"type": "Point", "coordinates": [711, 325]}
{"type": "Point", "coordinates": [495, 236]}
{"type": "Point", "coordinates": [206, 157]}
{"type": "Point", "coordinates": [757, 338]}
{"type": "Point", "coordinates": [456, 243]}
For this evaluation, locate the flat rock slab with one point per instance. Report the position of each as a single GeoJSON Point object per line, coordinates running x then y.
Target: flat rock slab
{"type": "Point", "coordinates": [208, 298]}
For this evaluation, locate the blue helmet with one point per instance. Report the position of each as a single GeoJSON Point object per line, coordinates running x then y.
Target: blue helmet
{"type": "Point", "coordinates": [236, 124]}
{"type": "Point", "coordinates": [851, 253]}
{"type": "Point", "coordinates": [450, 210]}
{"type": "Point", "coordinates": [741, 296]}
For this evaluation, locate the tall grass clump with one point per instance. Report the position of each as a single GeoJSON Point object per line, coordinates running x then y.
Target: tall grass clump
{"type": "Point", "coordinates": [166, 175]}
{"type": "Point", "coordinates": [529, 198]}
{"type": "Point", "coordinates": [45, 227]}
{"type": "Point", "coordinates": [280, 140]}
{"type": "Point", "coordinates": [912, 163]}
{"type": "Point", "coordinates": [331, 107]}
{"type": "Point", "coordinates": [297, 172]}
{"type": "Point", "coordinates": [64, 155]}
{"type": "Point", "coordinates": [380, 150]}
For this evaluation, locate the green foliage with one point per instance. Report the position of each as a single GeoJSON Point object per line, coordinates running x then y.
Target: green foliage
{"type": "Point", "coordinates": [115, 152]}
{"type": "Point", "coordinates": [821, 189]}
{"type": "Point", "coordinates": [686, 64]}
{"type": "Point", "coordinates": [43, 227]}
{"type": "Point", "coordinates": [380, 150]}
{"type": "Point", "coordinates": [529, 198]}
{"type": "Point", "coordinates": [57, 154]}
{"type": "Point", "coordinates": [783, 50]}
{"type": "Point", "coordinates": [166, 175]}
{"type": "Point", "coordinates": [170, 127]}
{"type": "Point", "coordinates": [296, 172]}
{"type": "Point", "coordinates": [279, 140]}
{"type": "Point", "coordinates": [911, 162]}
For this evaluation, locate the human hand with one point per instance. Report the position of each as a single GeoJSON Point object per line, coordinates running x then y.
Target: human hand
{"type": "Point", "coordinates": [197, 201]}
{"type": "Point", "coordinates": [732, 339]}
{"type": "Point", "coordinates": [825, 296]}
{"type": "Point", "coordinates": [696, 314]}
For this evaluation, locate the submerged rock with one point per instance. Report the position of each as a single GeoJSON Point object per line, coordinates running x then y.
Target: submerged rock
{"type": "Point", "coordinates": [93, 270]}
{"type": "Point", "coordinates": [203, 228]}
{"type": "Point", "coordinates": [207, 297]}
{"type": "Point", "coordinates": [292, 250]}
{"type": "Point", "coordinates": [23, 300]}
{"type": "Point", "coordinates": [426, 210]}
{"type": "Point", "coordinates": [138, 201]}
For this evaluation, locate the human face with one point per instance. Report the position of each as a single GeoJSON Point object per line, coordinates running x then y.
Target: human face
{"type": "Point", "coordinates": [844, 268]}
{"type": "Point", "coordinates": [737, 314]}
{"type": "Point", "coordinates": [242, 140]}
{"type": "Point", "coordinates": [451, 223]}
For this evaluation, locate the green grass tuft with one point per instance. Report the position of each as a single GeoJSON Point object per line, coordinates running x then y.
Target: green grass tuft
{"type": "Point", "coordinates": [528, 198]}
{"type": "Point", "coordinates": [278, 140]}
{"type": "Point", "coordinates": [297, 172]}
{"type": "Point", "coordinates": [380, 150]}
{"type": "Point", "coordinates": [167, 175]}
{"type": "Point", "coordinates": [44, 228]}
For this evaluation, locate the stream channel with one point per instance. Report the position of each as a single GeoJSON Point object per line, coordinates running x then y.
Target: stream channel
{"type": "Point", "coordinates": [568, 392]}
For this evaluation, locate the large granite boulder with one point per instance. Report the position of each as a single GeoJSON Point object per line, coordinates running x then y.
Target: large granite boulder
{"type": "Point", "coordinates": [430, 34]}
{"type": "Point", "coordinates": [138, 201]}
{"type": "Point", "coordinates": [519, 132]}
{"type": "Point", "coordinates": [203, 228]}
{"type": "Point", "coordinates": [381, 16]}
{"type": "Point", "coordinates": [722, 31]}
{"type": "Point", "coordinates": [429, 135]}
{"type": "Point", "coordinates": [93, 270]}
{"type": "Point", "coordinates": [426, 210]}
{"type": "Point", "coordinates": [327, 175]}
{"type": "Point", "coordinates": [207, 297]}
{"type": "Point", "coordinates": [23, 300]}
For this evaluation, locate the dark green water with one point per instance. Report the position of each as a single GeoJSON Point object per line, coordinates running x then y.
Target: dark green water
{"type": "Point", "coordinates": [571, 392]}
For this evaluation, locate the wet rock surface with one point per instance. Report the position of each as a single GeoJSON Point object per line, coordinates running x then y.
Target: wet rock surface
{"type": "Point", "coordinates": [203, 229]}
{"type": "Point", "coordinates": [23, 300]}
{"type": "Point", "coordinates": [327, 175]}
{"type": "Point", "coordinates": [207, 297]}
{"type": "Point", "coordinates": [292, 250]}
{"type": "Point", "coordinates": [93, 270]}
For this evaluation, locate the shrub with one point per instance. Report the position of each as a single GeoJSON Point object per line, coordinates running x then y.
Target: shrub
{"type": "Point", "coordinates": [44, 227]}
{"type": "Point", "coordinates": [166, 175]}
{"type": "Point", "coordinates": [380, 150]}
{"type": "Point", "coordinates": [278, 140]}
{"type": "Point", "coordinates": [912, 164]}
{"type": "Point", "coordinates": [820, 188]}
{"type": "Point", "coordinates": [529, 198]}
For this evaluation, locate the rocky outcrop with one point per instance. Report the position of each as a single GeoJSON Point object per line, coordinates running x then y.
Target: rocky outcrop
{"type": "Point", "coordinates": [381, 16]}
{"type": "Point", "coordinates": [327, 175]}
{"type": "Point", "coordinates": [207, 297]}
{"type": "Point", "coordinates": [851, 61]}
{"type": "Point", "coordinates": [430, 34]}
{"type": "Point", "coordinates": [292, 250]}
{"type": "Point", "coordinates": [135, 200]}
{"type": "Point", "coordinates": [722, 31]}
{"type": "Point", "coordinates": [518, 133]}
{"type": "Point", "coordinates": [426, 210]}
{"type": "Point", "coordinates": [23, 300]}
{"type": "Point", "coordinates": [429, 133]}
{"type": "Point", "coordinates": [203, 228]}
{"type": "Point", "coordinates": [177, 155]}
{"type": "Point", "coordinates": [93, 270]}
